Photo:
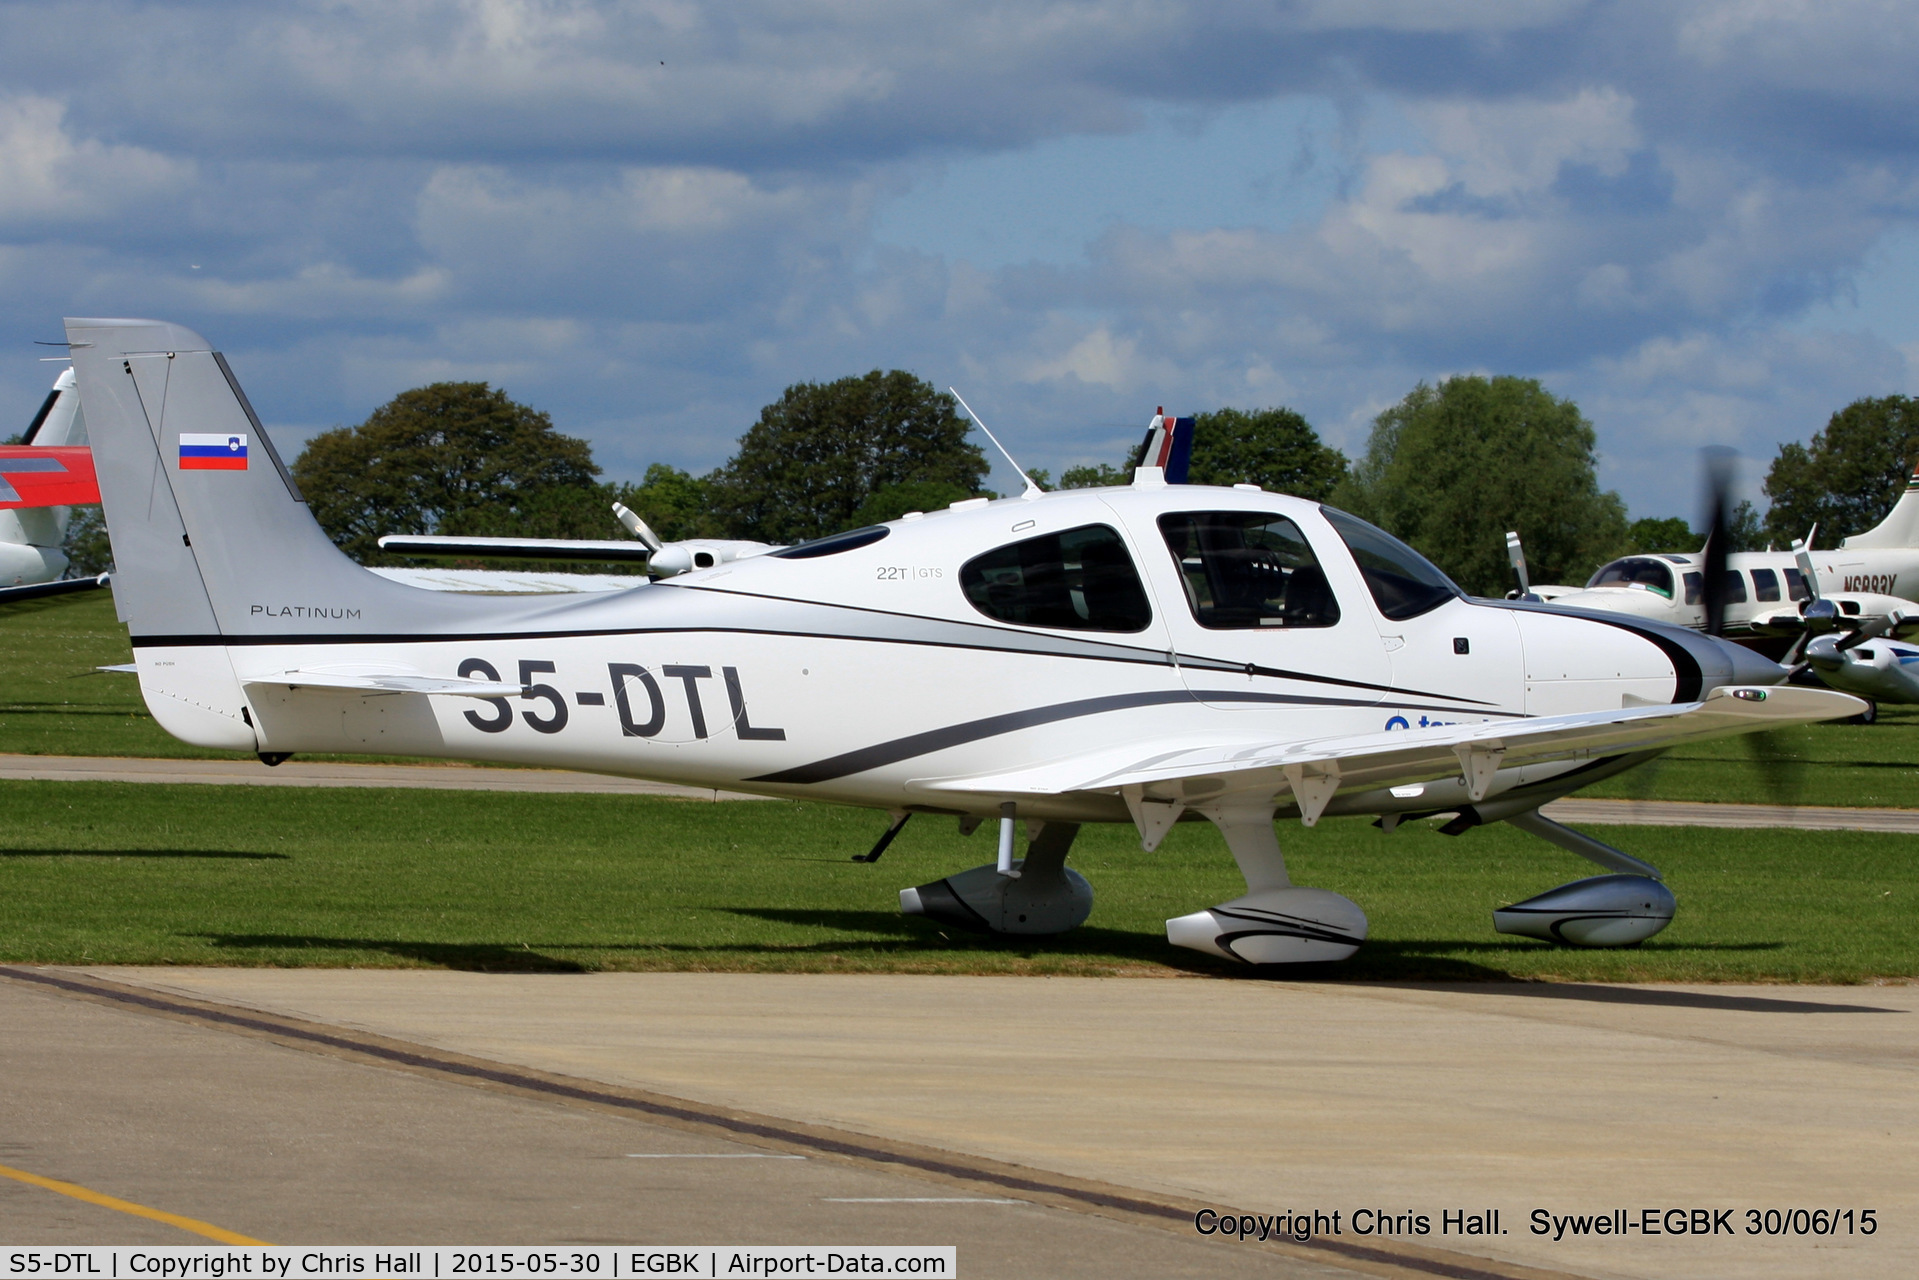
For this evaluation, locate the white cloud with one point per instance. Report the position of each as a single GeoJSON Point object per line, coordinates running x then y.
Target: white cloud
{"type": "Point", "coordinates": [47, 173]}
{"type": "Point", "coordinates": [1637, 202]}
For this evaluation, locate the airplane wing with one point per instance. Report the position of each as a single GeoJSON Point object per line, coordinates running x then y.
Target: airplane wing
{"type": "Point", "coordinates": [662, 560]}
{"type": "Point", "coordinates": [518, 548]}
{"type": "Point", "coordinates": [511, 581]}
{"type": "Point", "coordinates": [1315, 770]}
{"type": "Point", "coordinates": [34, 475]}
{"type": "Point", "coordinates": [456, 686]}
{"type": "Point", "coordinates": [40, 590]}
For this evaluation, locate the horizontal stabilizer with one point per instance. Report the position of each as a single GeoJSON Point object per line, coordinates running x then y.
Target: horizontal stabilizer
{"type": "Point", "coordinates": [40, 590]}
{"type": "Point", "coordinates": [1393, 758]}
{"type": "Point", "coordinates": [389, 684]}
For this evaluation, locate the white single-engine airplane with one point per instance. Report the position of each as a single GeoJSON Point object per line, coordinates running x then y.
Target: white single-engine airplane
{"type": "Point", "coordinates": [1141, 654]}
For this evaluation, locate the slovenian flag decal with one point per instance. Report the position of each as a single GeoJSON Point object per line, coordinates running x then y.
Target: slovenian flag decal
{"type": "Point", "coordinates": [204, 452]}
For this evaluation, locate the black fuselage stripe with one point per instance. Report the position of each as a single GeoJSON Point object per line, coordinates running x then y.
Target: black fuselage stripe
{"type": "Point", "coordinates": [1145, 657]}
{"type": "Point", "coordinates": [932, 740]}
{"type": "Point", "coordinates": [1175, 658]}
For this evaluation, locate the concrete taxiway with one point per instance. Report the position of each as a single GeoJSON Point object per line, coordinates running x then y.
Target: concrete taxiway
{"type": "Point", "coordinates": [241, 1139]}
{"type": "Point", "coordinates": [302, 773]}
{"type": "Point", "coordinates": [1266, 1097]}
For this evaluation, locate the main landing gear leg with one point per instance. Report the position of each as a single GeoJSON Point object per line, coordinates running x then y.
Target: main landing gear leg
{"type": "Point", "coordinates": [1276, 922]}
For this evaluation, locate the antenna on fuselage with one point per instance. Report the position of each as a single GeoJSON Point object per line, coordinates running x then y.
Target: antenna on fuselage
{"type": "Point", "coordinates": [1032, 490]}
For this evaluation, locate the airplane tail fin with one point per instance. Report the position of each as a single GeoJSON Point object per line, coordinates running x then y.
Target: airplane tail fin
{"type": "Point", "coordinates": [1168, 446]}
{"type": "Point", "coordinates": [212, 539]}
{"type": "Point", "coordinates": [47, 474]}
{"type": "Point", "coordinates": [1900, 528]}
{"type": "Point", "coordinates": [59, 421]}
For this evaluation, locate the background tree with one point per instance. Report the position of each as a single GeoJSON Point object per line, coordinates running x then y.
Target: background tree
{"type": "Point", "coordinates": [86, 545]}
{"type": "Point", "coordinates": [454, 458]}
{"type": "Point", "coordinates": [1654, 534]}
{"type": "Point", "coordinates": [1451, 468]}
{"type": "Point", "coordinates": [1275, 449]}
{"type": "Point", "coordinates": [1094, 476]}
{"type": "Point", "coordinates": [895, 500]}
{"type": "Point", "coordinates": [1851, 475]}
{"type": "Point", "coordinates": [815, 457]}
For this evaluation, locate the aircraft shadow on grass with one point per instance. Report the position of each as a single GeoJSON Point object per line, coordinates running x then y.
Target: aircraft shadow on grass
{"type": "Point", "coordinates": [1086, 942]}
{"type": "Point", "coordinates": [239, 855]}
{"type": "Point", "coordinates": [1379, 961]}
{"type": "Point", "coordinates": [476, 957]}
{"type": "Point", "coordinates": [1594, 993]}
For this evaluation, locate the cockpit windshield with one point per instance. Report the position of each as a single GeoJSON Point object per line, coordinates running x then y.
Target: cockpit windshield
{"type": "Point", "coordinates": [1404, 583]}
{"type": "Point", "coordinates": [1635, 571]}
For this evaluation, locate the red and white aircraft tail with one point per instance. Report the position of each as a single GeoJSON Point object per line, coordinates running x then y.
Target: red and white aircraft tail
{"type": "Point", "coordinates": [41, 480]}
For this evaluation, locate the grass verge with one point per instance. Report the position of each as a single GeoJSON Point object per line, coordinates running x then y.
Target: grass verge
{"type": "Point", "coordinates": [152, 874]}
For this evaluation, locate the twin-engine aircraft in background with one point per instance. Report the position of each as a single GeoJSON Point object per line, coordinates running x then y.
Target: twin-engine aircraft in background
{"type": "Point", "coordinates": [1763, 591]}
{"type": "Point", "coordinates": [1146, 654]}
{"type": "Point", "coordinates": [42, 479]}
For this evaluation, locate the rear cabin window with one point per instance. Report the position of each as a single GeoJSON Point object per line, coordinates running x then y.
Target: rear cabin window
{"type": "Point", "coordinates": [1650, 574]}
{"type": "Point", "coordinates": [1765, 585]}
{"type": "Point", "coordinates": [1079, 580]}
{"type": "Point", "coordinates": [1796, 585]}
{"type": "Point", "coordinates": [1245, 569]}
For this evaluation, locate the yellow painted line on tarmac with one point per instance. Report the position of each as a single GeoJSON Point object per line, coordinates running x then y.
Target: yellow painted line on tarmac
{"type": "Point", "coordinates": [105, 1201]}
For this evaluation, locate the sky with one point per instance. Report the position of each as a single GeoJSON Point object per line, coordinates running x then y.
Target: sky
{"type": "Point", "coordinates": [1698, 220]}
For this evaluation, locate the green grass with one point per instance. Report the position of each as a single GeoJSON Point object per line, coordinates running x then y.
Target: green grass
{"type": "Point", "coordinates": [53, 702]}
{"type": "Point", "coordinates": [150, 874]}
{"type": "Point", "coordinates": [1870, 765]}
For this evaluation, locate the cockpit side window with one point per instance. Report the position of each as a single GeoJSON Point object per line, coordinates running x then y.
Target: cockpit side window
{"type": "Point", "coordinates": [1079, 580]}
{"type": "Point", "coordinates": [1404, 583]}
{"type": "Point", "coordinates": [1244, 569]}
{"type": "Point", "coordinates": [1635, 572]}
